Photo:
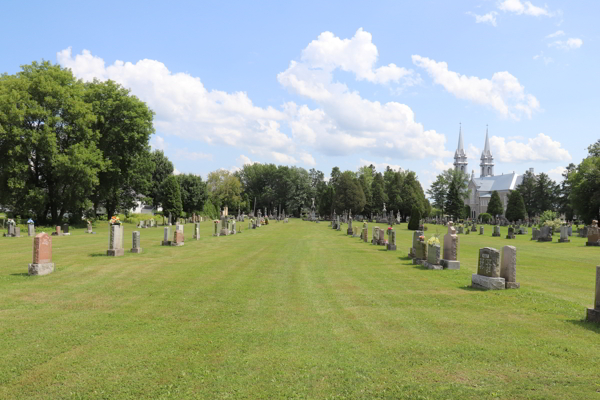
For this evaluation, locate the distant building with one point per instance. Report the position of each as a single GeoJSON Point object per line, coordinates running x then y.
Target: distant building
{"type": "Point", "coordinates": [480, 189]}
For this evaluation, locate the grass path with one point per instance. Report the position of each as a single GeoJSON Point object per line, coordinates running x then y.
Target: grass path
{"type": "Point", "coordinates": [293, 310]}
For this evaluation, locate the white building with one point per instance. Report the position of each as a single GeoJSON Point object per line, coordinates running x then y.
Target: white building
{"type": "Point", "coordinates": [480, 189]}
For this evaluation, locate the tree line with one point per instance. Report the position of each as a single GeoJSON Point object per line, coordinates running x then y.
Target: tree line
{"type": "Point", "coordinates": [71, 148]}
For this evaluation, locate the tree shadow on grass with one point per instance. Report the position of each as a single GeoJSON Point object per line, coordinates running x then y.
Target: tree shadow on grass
{"type": "Point", "coordinates": [421, 267]}
{"type": "Point", "coordinates": [21, 274]}
{"type": "Point", "coordinates": [97, 255]}
{"type": "Point", "coordinates": [470, 288]}
{"type": "Point", "coordinates": [592, 326]}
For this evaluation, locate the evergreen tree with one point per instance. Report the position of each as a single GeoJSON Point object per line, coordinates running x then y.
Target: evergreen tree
{"type": "Point", "coordinates": [171, 197]}
{"type": "Point", "coordinates": [585, 186]}
{"type": "Point", "coordinates": [454, 204]}
{"type": "Point", "coordinates": [515, 209]}
{"type": "Point", "coordinates": [163, 168]}
{"type": "Point", "coordinates": [527, 191]}
{"type": "Point", "coordinates": [193, 192]}
{"type": "Point", "coordinates": [378, 192]}
{"type": "Point", "coordinates": [545, 193]}
{"type": "Point", "coordinates": [349, 194]}
{"type": "Point", "coordinates": [495, 205]}
{"type": "Point", "coordinates": [415, 218]}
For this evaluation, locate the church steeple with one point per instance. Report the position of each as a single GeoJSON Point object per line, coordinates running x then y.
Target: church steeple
{"type": "Point", "coordinates": [487, 160]}
{"type": "Point", "coordinates": [460, 157]}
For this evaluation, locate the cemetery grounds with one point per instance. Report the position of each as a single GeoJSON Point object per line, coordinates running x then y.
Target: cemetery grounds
{"type": "Point", "coordinates": [294, 310]}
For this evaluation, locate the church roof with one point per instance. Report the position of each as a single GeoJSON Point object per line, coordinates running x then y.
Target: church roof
{"type": "Point", "coordinates": [498, 182]}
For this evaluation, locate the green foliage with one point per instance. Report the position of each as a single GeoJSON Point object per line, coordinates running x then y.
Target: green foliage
{"type": "Point", "coordinates": [348, 193]}
{"type": "Point", "coordinates": [548, 215]}
{"type": "Point", "coordinates": [47, 140]}
{"type": "Point", "coordinates": [171, 197]}
{"type": "Point", "coordinates": [193, 192]}
{"type": "Point", "coordinates": [163, 168]}
{"type": "Point", "coordinates": [440, 188]}
{"type": "Point", "coordinates": [584, 182]}
{"type": "Point", "coordinates": [527, 191]}
{"type": "Point", "coordinates": [378, 193]}
{"type": "Point", "coordinates": [515, 209]}
{"type": "Point", "coordinates": [485, 217]}
{"type": "Point", "coordinates": [495, 205]}
{"type": "Point", "coordinates": [415, 218]}
{"type": "Point", "coordinates": [454, 201]}
{"type": "Point", "coordinates": [545, 193]}
{"type": "Point", "coordinates": [209, 210]}
{"type": "Point", "coordinates": [224, 189]}
{"type": "Point", "coordinates": [124, 126]}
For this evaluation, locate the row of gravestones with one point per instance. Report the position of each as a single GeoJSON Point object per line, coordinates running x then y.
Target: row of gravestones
{"type": "Point", "coordinates": [15, 231]}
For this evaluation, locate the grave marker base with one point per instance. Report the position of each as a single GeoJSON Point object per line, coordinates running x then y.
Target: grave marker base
{"type": "Point", "coordinates": [41, 269]}
{"type": "Point", "coordinates": [115, 252]}
{"type": "Point", "coordinates": [165, 243]}
{"type": "Point", "coordinates": [450, 264]}
{"type": "Point", "coordinates": [139, 250]}
{"type": "Point", "coordinates": [433, 266]}
{"type": "Point", "coordinates": [592, 243]}
{"type": "Point", "coordinates": [563, 240]}
{"type": "Point", "coordinates": [391, 247]}
{"type": "Point", "coordinates": [487, 282]}
{"type": "Point", "coordinates": [513, 285]}
{"type": "Point", "coordinates": [593, 315]}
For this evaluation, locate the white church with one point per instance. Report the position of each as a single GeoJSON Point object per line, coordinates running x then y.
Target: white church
{"type": "Point", "coordinates": [480, 189]}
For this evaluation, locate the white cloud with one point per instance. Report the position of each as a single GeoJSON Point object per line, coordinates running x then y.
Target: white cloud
{"type": "Point", "coordinates": [176, 171]}
{"type": "Point", "coordinates": [158, 143]}
{"type": "Point", "coordinates": [569, 44]}
{"type": "Point", "coordinates": [192, 155]}
{"type": "Point", "coordinates": [515, 6]}
{"type": "Point", "coordinates": [308, 159]}
{"type": "Point", "coordinates": [473, 152]}
{"type": "Point", "coordinates": [547, 60]}
{"type": "Point", "coordinates": [380, 167]}
{"type": "Point", "coordinates": [556, 174]}
{"type": "Point", "coordinates": [439, 165]}
{"type": "Point", "coordinates": [489, 18]}
{"type": "Point", "coordinates": [358, 55]}
{"type": "Point", "coordinates": [539, 148]}
{"type": "Point", "coordinates": [503, 92]}
{"type": "Point", "coordinates": [283, 158]}
{"type": "Point", "coordinates": [555, 34]}
{"type": "Point", "coordinates": [185, 108]}
{"type": "Point", "coordinates": [244, 160]}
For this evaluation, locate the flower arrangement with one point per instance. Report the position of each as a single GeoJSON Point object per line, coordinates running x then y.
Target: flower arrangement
{"type": "Point", "coordinates": [422, 238]}
{"type": "Point", "coordinates": [30, 222]}
{"type": "Point", "coordinates": [433, 241]}
{"type": "Point", "coordinates": [115, 220]}
{"type": "Point", "coordinates": [10, 221]}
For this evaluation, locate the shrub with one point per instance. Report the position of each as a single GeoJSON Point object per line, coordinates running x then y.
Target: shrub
{"type": "Point", "coordinates": [415, 218]}
{"type": "Point", "coordinates": [547, 215]}
{"type": "Point", "coordinates": [485, 217]}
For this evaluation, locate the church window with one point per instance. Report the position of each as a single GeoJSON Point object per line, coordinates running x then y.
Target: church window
{"type": "Point", "coordinates": [489, 170]}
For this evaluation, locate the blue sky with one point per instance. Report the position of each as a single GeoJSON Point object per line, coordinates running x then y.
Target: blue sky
{"type": "Point", "coordinates": [337, 84]}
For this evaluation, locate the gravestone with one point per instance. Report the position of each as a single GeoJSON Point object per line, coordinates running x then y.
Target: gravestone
{"type": "Point", "coordinates": [535, 233]}
{"type": "Point", "coordinates": [420, 251]}
{"type": "Point", "coordinates": [433, 257]}
{"type": "Point", "coordinates": [381, 241]}
{"type": "Point", "coordinates": [42, 255]}
{"type": "Point", "coordinates": [564, 235]}
{"type": "Point", "coordinates": [30, 230]}
{"type": "Point", "coordinates": [488, 270]}
{"type": "Point", "coordinates": [413, 250]}
{"type": "Point", "coordinates": [545, 234]}
{"type": "Point", "coordinates": [461, 230]}
{"type": "Point", "coordinates": [349, 230]}
{"type": "Point", "coordinates": [375, 235]}
{"type": "Point", "coordinates": [89, 228]}
{"type": "Point", "coordinates": [224, 230]}
{"type": "Point", "coordinates": [474, 227]}
{"type": "Point", "coordinates": [167, 233]}
{"type": "Point", "coordinates": [56, 232]}
{"type": "Point", "coordinates": [178, 239]}
{"type": "Point", "coordinates": [496, 231]}
{"type": "Point", "coordinates": [593, 314]}
{"type": "Point", "coordinates": [135, 246]}
{"type": "Point", "coordinates": [511, 233]}
{"type": "Point", "coordinates": [468, 231]}
{"type": "Point", "coordinates": [197, 231]}
{"type": "Point", "coordinates": [593, 235]}
{"type": "Point", "coordinates": [338, 225]}
{"type": "Point", "coordinates": [481, 230]}
{"type": "Point", "coordinates": [365, 232]}
{"type": "Point", "coordinates": [508, 267]}
{"type": "Point", "coordinates": [569, 230]}
{"type": "Point", "coordinates": [392, 240]}
{"type": "Point", "coordinates": [450, 260]}
{"type": "Point", "coordinates": [65, 230]}
{"type": "Point", "coordinates": [17, 231]}
{"type": "Point", "coordinates": [115, 243]}
{"type": "Point", "coordinates": [523, 231]}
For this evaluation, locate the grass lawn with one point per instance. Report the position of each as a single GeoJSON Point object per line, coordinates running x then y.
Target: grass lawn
{"type": "Point", "coordinates": [293, 310]}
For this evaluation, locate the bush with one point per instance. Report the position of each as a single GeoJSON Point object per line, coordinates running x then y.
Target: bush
{"type": "Point", "coordinates": [209, 210]}
{"type": "Point", "coordinates": [485, 217]}
{"type": "Point", "coordinates": [547, 215]}
{"type": "Point", "coordinates": [415, 218]}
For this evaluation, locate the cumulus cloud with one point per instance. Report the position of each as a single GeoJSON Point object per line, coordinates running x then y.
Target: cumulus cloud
{"type": "Point", "coordinates": [358, 55]}
{"type": "Point", "coordinates": [489, 18]}
{"type": "Point", "coordinates": [569, 44]}
{"type": "Point", "coordinates": [527, 8]}
{"type": "Point", "coordinates": [539, 148]}
{"type": "Point", "coordinates": [503, 92]}
{"type": "Point", "coordinates": [158, 142]}
{"type": "Point", "coordinates": [557, 174]}
{"type": "Point", "coordinates": [541, 56]}
{"type": "Point", "coordinates": [185, 108]}
{"type": "Point", "coordinates": [344, 122]}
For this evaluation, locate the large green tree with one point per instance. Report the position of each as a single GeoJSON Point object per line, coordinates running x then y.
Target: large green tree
{"type": "Point", "coordinates": [163, 168]}
{"type": "Point", "coordinates": [545, 194]}
{"type": "Point", "coordinates": [50, 160]}
{"type": "Point", "coordinates": [585, 186]}
{"type": "Point", "coordinates": [349, 194]}
{"type": "Point", "coordinates": [515, 209]}
{"type": "Point", "coordinates": [439, 189]}
{"type": "Point", "coordinates": [224, 189]}
{"type": "Point", "coordinates": [171, 197]}
{"type": "Point", "coordinates": [378, 193]}
{"type": "Point", "coordinates": [495, 205]}
{"type": "Point", "coordinates": [193, 192]}
{"type": "Point", "coordinates": [527, 191]}
{"type": "Point", "coordinates": [124, 126]}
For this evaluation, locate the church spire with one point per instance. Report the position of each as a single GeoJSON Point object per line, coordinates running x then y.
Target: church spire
{"type": "Point", "coordinates": [487, 160]}
{"type": "Point", "coordinates": [460, 156]}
